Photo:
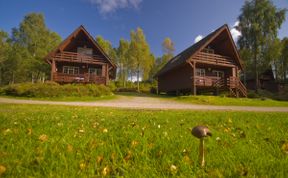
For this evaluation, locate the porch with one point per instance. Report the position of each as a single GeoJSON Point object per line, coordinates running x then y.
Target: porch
{"type": "Point", "coordinates": [233, 84]}
{"type": "Point", "coordinates": [78, 78]}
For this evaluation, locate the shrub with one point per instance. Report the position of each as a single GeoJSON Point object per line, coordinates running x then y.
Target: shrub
{"type": "Point", "coordinates": [52, 89]}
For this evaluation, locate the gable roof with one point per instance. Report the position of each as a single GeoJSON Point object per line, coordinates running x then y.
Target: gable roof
{"type": "Point", "coordinates": [188, 53]}
{"type": "Point", "coordinates": [70, 37]}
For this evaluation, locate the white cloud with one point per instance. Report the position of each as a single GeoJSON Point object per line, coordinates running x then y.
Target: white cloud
{"type": "Point", "coordinates": [198, 38]}
{"type": "Point", "coordinates": [234, 32]}
{"type": "Point", "coordinates": [108, 6]}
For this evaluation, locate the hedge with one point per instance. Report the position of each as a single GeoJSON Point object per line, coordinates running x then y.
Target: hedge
{"type": "Point", "coordinates": [51, 89]}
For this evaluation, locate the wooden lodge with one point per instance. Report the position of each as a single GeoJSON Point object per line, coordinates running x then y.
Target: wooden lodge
{"type": "Point", "coordinates": [212, 64]}
{"type": "Point", "coordinates": [79, 59]}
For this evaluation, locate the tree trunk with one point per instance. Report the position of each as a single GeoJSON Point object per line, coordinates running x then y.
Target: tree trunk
{"type": "Point", "coordinates": [138, 73]}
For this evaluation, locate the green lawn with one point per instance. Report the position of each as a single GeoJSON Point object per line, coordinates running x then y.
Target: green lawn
{"type": "Point", "coordinates": [226, 101]}
{"type": "Point", "coordinates": [62, 141]}
{"type": "Point", "coordinates": [64, 98]}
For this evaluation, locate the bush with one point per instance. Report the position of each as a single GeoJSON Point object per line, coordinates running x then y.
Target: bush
{"type": "Point", "coordinates": [52, 89]}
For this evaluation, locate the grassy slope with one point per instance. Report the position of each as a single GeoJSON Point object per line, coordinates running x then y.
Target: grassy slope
{"type": "Point", "coordinates": [218, 100]}
{"type": "Point", "coordinates": [85, 142]}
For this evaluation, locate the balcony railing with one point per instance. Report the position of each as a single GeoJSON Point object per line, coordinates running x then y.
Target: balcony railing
{"type": "Point", "coordinates": [206, 81]}
{"type": "Point", "coordinates": [77, 57]}
{"type": "Point", "coordinates": [215, 59]}
{"type": "Point", "coordinates": [78, 78]}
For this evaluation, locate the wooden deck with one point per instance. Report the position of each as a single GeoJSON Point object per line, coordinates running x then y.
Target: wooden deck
{"type": "Point", "coordinates": [233, 84]}
{"type": "Point", "coordinates": [78, 58]}
{"type": "Point", "coordinates": [79, 78]}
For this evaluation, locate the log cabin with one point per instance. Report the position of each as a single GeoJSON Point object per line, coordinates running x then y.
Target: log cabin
{"type": "Point", "coordinates": [212, 64]}
{"type": "Point", "coordinates": [80, 59]}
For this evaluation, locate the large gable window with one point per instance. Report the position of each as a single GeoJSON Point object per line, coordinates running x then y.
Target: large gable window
{"type": "Point", "coordinates": [70, 70]}
{"type": "Point", "coordinates": [200, 72]}
{"type": "Point", "coordinates": [85, 51]}
{"type": "Point", "coordinates": [95, 71]}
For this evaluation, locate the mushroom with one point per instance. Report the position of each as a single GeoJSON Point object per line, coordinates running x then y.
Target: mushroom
{"type": "Point", "coordinates": [201, 132]}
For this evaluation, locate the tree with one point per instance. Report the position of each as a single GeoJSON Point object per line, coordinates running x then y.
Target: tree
{"type": "Point", "coordinates": [168, 46]}
{"type": "Point", "coordinates": [139, 55]}
{"type": "Point", "coordinates": [107, 47]}
{"type": "Point", "coordinates": [259, 22]}
{"type": "Point", "coordinates": [122, 53]}
{"type": "Point", "coordinates": [5, 47]}
{"type": "Point", "coordinates": [31, 42]}
{"type": "Point", "coordinates": [284, 59]}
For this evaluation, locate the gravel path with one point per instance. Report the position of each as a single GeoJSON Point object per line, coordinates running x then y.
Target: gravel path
{"type": "Point", "coordinates": [138, 102]}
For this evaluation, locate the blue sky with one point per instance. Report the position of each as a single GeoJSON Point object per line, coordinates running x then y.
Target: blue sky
{"type": "Point", "coordinates": [181, 20]}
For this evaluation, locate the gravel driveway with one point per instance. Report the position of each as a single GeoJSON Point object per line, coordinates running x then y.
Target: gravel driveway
{"type": "Point", "coordinates": [139, 102]}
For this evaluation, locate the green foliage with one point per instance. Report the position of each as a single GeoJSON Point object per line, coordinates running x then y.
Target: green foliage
{"type": "Point", "coordinates": [30, 43]}
{"type": "Point", "coordinates": [107, 47]}
{"type": "Point", "coordinates": [123, 61]}
{"type": "Point", "coordinates": [140, 56]}
{"type": "Point", "coordinates": [168, 46]}
{"type": "Point", "coordinates": [62, 141]}
{"type": "Point", "coordinates": [52, 89]}
{"type": "Point", "coordinates": [283, 61]}
{"type": "Point", "coordinates": [259, 24]}
{"type": "Point", "coordinates": [5, 48]}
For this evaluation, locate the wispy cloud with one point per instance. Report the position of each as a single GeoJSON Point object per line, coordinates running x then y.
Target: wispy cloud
{"type": "Point", "coordinates": [198, 38]}
{"type": "Point", "coordinates": [109, 6]}
{"type": "Point", "coordinates": [234, 32]}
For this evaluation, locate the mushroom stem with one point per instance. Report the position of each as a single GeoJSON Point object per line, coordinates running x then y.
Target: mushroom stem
{"type": "Point", "coordinates": [201, 153]}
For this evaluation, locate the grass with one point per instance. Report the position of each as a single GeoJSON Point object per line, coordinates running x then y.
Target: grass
{"type": "Point", "coordinates": [226, 101]}
{"type": "Point", "coordinates": [63, 141]}
{"type": "Point", "coordinates": [64, 98]}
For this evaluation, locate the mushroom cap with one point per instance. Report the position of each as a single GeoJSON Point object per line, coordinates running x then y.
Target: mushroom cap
{"type": "Point", "coordinates": [201, 131]}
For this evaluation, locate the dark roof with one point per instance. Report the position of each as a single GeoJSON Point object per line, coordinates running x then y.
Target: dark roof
{"type": "Point", "coordinates": [67, 40]}
{"type": "Point", "coordinates": [185, 55]}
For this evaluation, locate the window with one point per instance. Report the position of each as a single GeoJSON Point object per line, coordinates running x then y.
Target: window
{"type": "Point", "coordinates": [200, 72]}
{"type": "Point", "coordinates": [70, 70]}
{"type": "Point", "coordinates": [218, 73]}
{"type": "Point", "coordinates": [85, 51]}
{"type": "Point", "coordinates": [95, 71]}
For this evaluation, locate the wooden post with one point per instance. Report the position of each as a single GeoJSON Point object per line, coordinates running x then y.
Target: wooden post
{"type": "Point", "coordinates": [107, 74]}
{"type": "Point", "coordinates": [194, 80]}
{"type": "Point", "coordinates": [193, 65]}
{"type": "Point", "coordinates": [103, 70]}
{"type": "Point", "coordinates": [53, 67]}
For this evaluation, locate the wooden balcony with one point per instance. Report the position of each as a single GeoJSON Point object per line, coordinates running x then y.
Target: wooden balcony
{"type": "Point", "coordinates": [79, 58]}
{"type": "Point", "coordinates": [79, 78]}
{"type": "Point", "coordinates": [213, 59]}
{"type": "Point", "coordinates": [207, 81]}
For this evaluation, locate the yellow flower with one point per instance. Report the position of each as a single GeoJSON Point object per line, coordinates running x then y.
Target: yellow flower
{"type": "Point", "coordinates": [105, 171]}
{"type": "Point", "coordinates": [82, 165]}
{"type": "Point", "coordinates": [105, 130]}
{"type": "Point", "coordinates": [2, 170]}
{"type": "Point", "coordinates": [29, 131]}
{"type": "Point", "coordinates": [43, 138]}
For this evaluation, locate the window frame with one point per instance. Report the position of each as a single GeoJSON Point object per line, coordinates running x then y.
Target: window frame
{"type": "Point", "coordinates": [200, 71]}
{"type": "Point", "coordinates": [70, 70]}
